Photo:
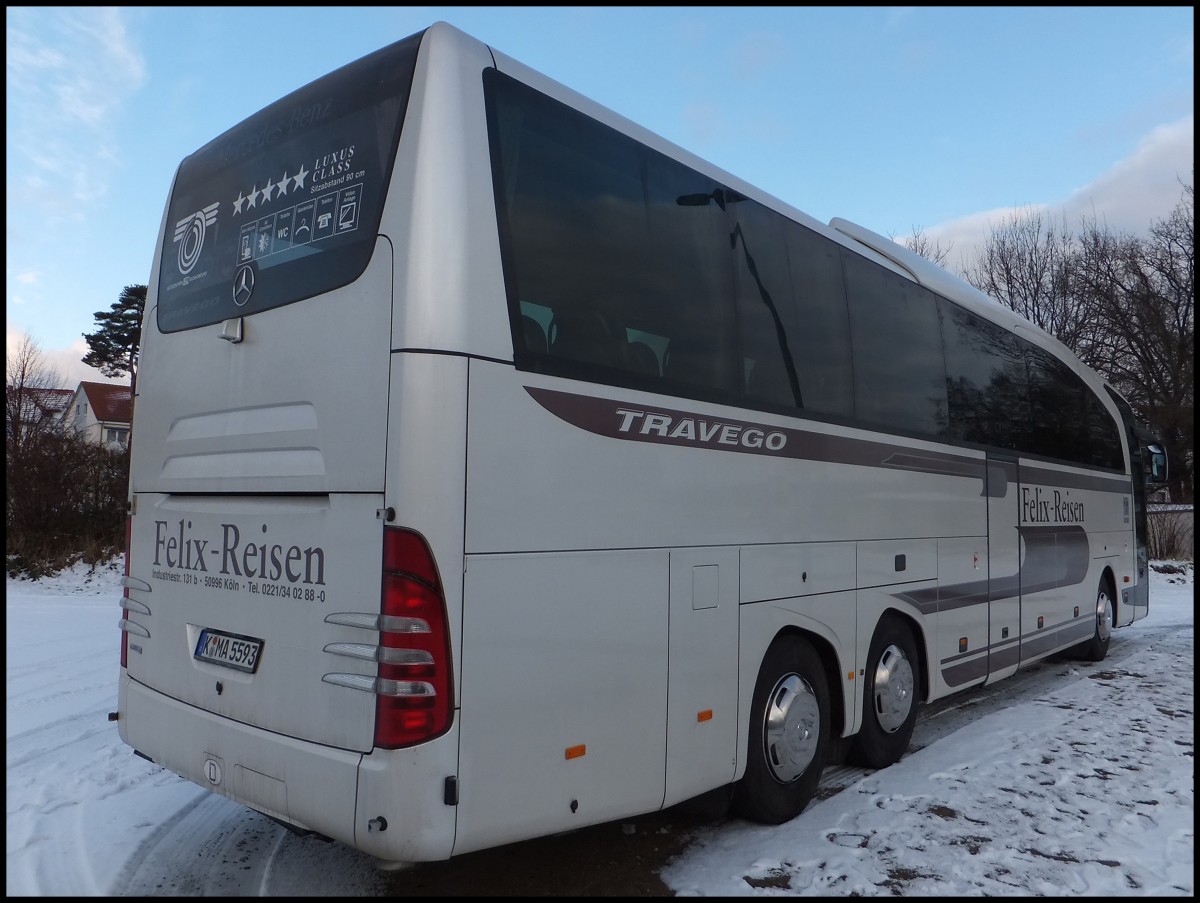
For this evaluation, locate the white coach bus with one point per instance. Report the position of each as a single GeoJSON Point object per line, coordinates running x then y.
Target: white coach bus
{"type": "Point", "coordinates": [500, 468]}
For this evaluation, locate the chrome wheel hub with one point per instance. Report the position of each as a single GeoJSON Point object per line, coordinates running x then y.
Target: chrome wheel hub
{"type": "Point", "coordinates": [1103, 616]}
{"type": "Point", "coordinates": [894, 686]}
{"type": "Point", "coordinates": [791, 729]}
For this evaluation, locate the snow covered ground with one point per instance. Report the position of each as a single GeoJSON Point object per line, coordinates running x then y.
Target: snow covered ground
{"type": "Point", "coordinates": [1076, 781]}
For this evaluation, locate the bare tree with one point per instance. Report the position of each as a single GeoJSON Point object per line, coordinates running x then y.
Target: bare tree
{"type": "Point", "coordinates": [65, 495]}
{"type": "Point", "coordinates": [1030, 263]}
{"type": "Point", "coordinates": [29, 409]}
{"type": "Point", "coordinates": [920, 243]}
{"type": "Point", "coordinates": [1143, 293]}
{"type": "Point", "coordinates": [1124, 304]}
{"type": "Point", "coordinates": [29, 420]}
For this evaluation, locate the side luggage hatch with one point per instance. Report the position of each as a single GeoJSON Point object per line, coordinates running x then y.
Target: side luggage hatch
{"type": "Point", "coordinates": [253, 608]}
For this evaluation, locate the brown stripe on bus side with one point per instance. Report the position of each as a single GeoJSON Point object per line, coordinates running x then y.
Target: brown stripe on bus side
{"type": "Point", "coordinates": [1096, 483]}
{"type": "Point", "coordinates": [606, 417]}
{"type": "Point", "coordinates": [671, 426]}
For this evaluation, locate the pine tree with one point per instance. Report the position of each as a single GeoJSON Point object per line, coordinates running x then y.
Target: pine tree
{"type": "Point", "coordinates": [114, 345]}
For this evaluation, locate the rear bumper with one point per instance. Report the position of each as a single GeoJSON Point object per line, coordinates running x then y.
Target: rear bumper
{"type": "Point", "coordinates": [316, 788]}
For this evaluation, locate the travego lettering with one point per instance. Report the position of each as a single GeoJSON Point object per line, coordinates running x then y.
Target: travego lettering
{"type": "Point", "coordinates": [702, 432]}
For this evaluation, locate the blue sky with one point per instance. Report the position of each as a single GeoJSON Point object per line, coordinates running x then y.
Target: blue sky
{"type": "Point", "coordinates": [942, 119]}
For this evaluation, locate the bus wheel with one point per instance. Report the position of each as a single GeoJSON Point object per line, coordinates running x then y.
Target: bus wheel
{"type": "Point", "coordinates": [1095, 649]}
{"type": "Point", "coordinates": [891, 696]}
{"type": "Point", "coordinates": [789, 734]}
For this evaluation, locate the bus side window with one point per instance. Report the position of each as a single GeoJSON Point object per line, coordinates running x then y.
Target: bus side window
{"type": "Point", "coordinates": [583, 336]}
{"type": "Point", "coordinates": [642, 359]}
{"type": "Point", "coordinates": [535, 339]}
{"type": "Point", "coordinates": [694, 362]}
{"type": "Point", "coordinates": [769, 382]}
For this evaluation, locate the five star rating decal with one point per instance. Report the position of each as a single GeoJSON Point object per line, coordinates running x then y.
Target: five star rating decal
{"type": "Point", "coordinates": [279, 189]}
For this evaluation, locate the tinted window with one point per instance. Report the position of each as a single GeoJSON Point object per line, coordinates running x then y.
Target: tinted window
{"type": "Point", "coordinates": [1136, 468]}
{"type": "Point", "coordinates": [1104, 437]}
{"type": "Point", "coordinates": [766, 311]}
{"type": "Point", "coordinates": [986, 383]}
{"type": "Point", "coordinates": [821, 340]}
{"type": "Point", "coordinates": [792, 313]}
{"type": "Point", "coordinates": [626, 249]}
{"type": "Point", "coordinates": [626, 267]}
{"type": "Point", "coordinates": [295, 193]}
{"type": "Point", "coordinates": [1058, 420]}
{"type": "Point", "coordinates": [899, 369]}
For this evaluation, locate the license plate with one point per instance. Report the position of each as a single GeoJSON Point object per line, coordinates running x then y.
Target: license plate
{"type": "Point", "coordinates": [228, 649]}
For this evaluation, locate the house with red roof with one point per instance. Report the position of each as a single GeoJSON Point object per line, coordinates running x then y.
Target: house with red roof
{"type": "Point", "coordinates": [102, 412]}
{"type": "Point", "coordinates": [36, 408]}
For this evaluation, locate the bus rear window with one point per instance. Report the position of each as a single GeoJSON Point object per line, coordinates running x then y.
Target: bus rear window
{"type": "Point", "coordinates": [285, 205]}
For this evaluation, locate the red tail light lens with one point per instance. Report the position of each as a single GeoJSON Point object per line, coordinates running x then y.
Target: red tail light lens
{"type": "Point", "coordinates": [415, 692]}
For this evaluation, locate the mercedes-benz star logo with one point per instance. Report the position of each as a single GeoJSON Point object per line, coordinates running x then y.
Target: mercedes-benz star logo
{"type": "Point", "coordinates": [243, 285]}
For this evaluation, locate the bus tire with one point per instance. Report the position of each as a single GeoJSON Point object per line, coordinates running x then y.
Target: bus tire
{"type": "Point", "coordinates": [789, 734]}
{"type": "Point", "coordinates": [891, 697]}
{"type": "Point", "coordinates": [1095, 649]}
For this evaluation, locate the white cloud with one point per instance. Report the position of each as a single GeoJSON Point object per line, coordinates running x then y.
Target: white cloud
{"type": "Point", "coordinates": [1128, 198]}
{"type": "Point", "coordinates": [66, 364]}
{"type": "Point", "coordinates": [69, 73]}
{"type": "Point", "coordinates": [1145, 186]}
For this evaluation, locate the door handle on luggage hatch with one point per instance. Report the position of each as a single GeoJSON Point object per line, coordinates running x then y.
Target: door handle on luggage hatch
{"type": "Point", "coordinates": [231, 330]}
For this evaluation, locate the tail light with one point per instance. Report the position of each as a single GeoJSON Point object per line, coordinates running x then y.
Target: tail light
{"type": "Point", "coordinates": [415, 692]}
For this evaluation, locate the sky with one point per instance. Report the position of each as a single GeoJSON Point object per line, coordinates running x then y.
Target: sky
{"type": "Point", "coordinates": [1069, 779]}
{"type": "Point", "coordinates": [943, 120]}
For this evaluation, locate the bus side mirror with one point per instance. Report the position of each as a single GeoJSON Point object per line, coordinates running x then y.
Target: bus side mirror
{"type": "Point", "coordinates": [1156, 459]}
